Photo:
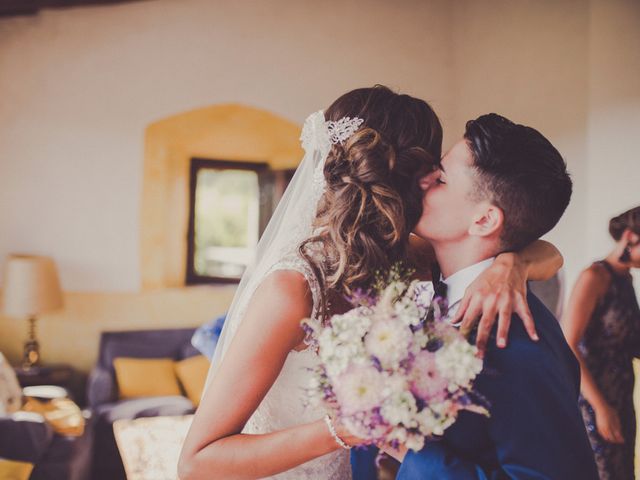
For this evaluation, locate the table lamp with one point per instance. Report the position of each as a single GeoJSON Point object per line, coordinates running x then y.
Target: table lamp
{"type": "Point", "coordinates": [30, 288]}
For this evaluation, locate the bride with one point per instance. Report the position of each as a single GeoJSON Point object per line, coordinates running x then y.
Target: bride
{"type": "Point", "coordinates": [347, 213]}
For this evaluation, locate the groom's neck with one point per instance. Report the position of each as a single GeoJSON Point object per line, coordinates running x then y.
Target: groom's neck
{"type": "Point", "coordinates": [453, 257]}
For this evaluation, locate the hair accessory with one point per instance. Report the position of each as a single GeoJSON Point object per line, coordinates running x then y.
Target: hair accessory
{"type": "Point", "coordinates": [342, 129]}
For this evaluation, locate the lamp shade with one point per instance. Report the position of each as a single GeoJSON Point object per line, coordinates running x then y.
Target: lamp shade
{"type": "Point", "coordinates": [30, 286]}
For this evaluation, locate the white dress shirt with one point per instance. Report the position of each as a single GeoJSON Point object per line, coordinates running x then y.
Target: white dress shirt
{"type": "Point", "coordinates": [459, 281]}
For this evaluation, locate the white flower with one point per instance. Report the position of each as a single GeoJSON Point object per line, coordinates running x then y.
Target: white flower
{"type": "Point", "coordinates": [389, 295]}
{"type": "Point", "coordinates": [446, 413]}
{"type": "Point", "coordinates": [415, 442]}
{"type": "Point", "coordinates": [358, 389]}
{"type": "Point", "coordinates": [353, 325]}
{"type": "Point", "coordinates": [399, 434]}
{"type": "Point", "coordinates": [389, 342]}
{"type": "Point", "coordinates": [436, 418]}
{"type": "Point", "coordinates": [338, 356]}
{"type": "Point", "coordinates": [457, 361]}
{"type": "Point", "coordinates": [420, 339]}
{"type": "Point", "coordinates": [400, 409]}
{"type": "Point", "coordinates": [407, 311]}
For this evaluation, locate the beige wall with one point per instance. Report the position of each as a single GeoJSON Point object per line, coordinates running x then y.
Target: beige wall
{"type": "Point", "coordinates": [528, 61]}
{"type": "Point", "coordinates": [84, 83]}
{"type": "Point", "coordinates": [614, 118]}
{"type": "Point", "coordinates": [81, 85]}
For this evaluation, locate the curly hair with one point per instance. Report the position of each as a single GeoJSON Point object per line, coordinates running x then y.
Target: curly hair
{"type": "Point", "coordinates": [372, 199]}
{"type": "Point", "coordinates": [628, 220]}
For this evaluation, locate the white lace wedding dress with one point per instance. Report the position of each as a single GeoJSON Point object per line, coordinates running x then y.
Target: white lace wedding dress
{"type": "Point", "coordinates": [285, 406]}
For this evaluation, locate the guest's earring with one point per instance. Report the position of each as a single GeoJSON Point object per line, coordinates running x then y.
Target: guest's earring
{"type": "Point", "coordinates": [626, 255]}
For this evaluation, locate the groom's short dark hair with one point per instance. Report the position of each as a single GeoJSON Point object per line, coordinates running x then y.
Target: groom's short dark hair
{"type": "Point", "coordinates": [520, 172]}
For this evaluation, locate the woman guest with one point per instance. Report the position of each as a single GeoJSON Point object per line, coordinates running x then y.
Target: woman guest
{"type": "Point", "coordinates": [602, 325]}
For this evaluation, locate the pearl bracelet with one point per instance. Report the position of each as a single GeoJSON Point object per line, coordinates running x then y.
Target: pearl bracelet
{"type": "Point", "coordinates": [334, 434]}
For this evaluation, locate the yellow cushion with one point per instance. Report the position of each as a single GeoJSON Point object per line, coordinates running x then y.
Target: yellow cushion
{"type": "Point", "coordinates": [192, 373]}
{"type": "Point", "coordinates": [146, 377]}
{"type": "Point", "coordinates": [13, 470]}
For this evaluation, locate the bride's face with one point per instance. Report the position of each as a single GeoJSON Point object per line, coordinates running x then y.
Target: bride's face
{"type": "Point", "coordinates": [448, 208]}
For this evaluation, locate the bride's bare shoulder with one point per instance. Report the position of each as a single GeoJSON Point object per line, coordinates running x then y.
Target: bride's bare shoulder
{"type": "Point", "coordinates": [286, 289]}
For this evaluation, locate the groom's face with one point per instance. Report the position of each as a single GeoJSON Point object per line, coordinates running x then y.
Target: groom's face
{"type": "Point", "coordinates": [448, 207]}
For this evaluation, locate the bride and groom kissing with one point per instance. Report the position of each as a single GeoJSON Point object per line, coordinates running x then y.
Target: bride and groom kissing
{"type": "Point", "coordinates": [372, 176]}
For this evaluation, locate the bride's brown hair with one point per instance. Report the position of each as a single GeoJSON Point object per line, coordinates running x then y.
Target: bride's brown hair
{"type": "Point", "coordinates": [372, 199]}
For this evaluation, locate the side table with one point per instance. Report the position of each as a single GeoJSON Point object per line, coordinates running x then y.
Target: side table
{"type": "Point", "coordinates": [62, 375]}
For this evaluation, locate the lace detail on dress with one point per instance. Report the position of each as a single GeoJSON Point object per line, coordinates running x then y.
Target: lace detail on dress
{"type": "Point", "coordinates": [293, 261]}
{"type": "Point", "coordinates": [285, 405]}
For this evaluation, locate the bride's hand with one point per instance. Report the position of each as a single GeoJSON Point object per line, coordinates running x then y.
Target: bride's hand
{"type": "Point", "coordinates": [346, 436]}
{"type": "Point", "coordinates": [499, 291]}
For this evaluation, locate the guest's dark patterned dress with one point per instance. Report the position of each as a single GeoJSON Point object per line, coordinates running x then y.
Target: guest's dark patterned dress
{"type": "Point", "coordinates": [611, 341]}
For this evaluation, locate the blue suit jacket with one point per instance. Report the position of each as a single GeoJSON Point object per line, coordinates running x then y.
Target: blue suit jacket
{"type": "Point", "coordinates": [535, 430]}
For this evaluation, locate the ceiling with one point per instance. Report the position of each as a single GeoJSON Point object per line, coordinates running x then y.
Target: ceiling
{"type": "Point", "coordinates": [31, 7]}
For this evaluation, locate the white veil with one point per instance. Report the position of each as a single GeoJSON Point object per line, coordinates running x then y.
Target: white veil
{"type": "Point", "coordinates": [292, 221]}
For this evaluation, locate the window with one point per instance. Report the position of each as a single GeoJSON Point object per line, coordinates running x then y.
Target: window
{"type": "Point", "coordinates": [230, 205]}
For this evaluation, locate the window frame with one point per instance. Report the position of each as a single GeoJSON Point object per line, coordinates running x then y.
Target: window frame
{"type": "Point", "coordinates": [197, 164]}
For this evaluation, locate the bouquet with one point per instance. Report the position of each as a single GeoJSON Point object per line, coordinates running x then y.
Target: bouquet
{"type": "Point", "coordinates": [393, 370]}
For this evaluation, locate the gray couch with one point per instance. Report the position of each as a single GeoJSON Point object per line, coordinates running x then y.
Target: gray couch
{"type": "Point", "coordinates": [102, 390]}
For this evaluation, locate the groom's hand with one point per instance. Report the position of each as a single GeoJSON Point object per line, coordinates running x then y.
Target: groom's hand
{"type": "Point", "coordinates": [498, 292]}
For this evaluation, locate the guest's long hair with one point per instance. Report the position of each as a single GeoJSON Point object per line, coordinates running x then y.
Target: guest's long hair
{"type": "Point", "coordinates": [372, 200]}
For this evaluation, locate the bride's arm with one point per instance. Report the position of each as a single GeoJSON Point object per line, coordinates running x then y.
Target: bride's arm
{"type": "Point", "coordinates": [502, 290]}
{"type": "Point", "coordinates": [214, 447]}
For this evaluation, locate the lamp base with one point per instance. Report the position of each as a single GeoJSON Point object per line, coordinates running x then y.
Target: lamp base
{"type": "Point", "coordinates": [31, 351]}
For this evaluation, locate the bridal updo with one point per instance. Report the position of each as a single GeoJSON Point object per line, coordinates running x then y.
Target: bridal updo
{"type": "Point", "coordinates": [372, 199]}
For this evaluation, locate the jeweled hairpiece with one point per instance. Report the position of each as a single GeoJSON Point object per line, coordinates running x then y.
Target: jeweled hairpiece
{"type": "Point", "coordinates": [318, 134]}
{"type": "Point", "coordinates": [342, 129]}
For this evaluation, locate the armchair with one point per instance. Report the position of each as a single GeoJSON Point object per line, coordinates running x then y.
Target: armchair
{"type": "Point", "coordinates": [102, 389]}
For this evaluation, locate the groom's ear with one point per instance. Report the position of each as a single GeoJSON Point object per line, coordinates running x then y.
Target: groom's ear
{"type": "Point", "coordinates": [487, 221]}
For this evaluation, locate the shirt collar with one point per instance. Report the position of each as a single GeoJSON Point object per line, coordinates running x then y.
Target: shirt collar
{"type": "Point", "coordinates": [459, 281]}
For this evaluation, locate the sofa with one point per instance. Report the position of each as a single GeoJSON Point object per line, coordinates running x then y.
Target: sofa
{"type": "Point", "coordinates": [103, 397]}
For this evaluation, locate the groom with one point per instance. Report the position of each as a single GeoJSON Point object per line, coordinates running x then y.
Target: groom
{"type": "Point", "coordinates": [500, 188]}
